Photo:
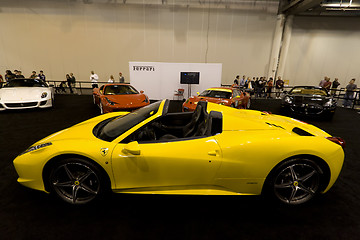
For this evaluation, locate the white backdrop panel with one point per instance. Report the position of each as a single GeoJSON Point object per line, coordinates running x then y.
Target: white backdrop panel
{"type": "Point", "coordinates": [161, 80]}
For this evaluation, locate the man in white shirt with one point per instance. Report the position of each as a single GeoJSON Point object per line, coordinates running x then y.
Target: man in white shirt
{"type": "Point", "coordinates": [94, 79]}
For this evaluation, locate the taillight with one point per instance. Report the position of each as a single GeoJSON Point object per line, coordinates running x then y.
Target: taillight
{"type": "Point", "coordinates": [337, 140]}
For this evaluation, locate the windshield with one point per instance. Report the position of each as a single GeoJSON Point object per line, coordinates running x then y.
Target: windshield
{"type": "Point", "coordinates": [216, 94]}
{"type": "Point", "coordinates": [26, 83]}
{"type": "Point", "coordinates": [119, 90]}
{"type": "Point", "coordinates": [309, 91]}
{"type": "Point", "coordinates": [115, 127]}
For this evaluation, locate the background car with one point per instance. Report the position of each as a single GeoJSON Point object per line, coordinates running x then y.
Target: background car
{"type": "Point", "coordinates": [309, 101]}
{"type": "Point", "coordinates": [25, 93]}
{"type": "Point", "coordinates": [119, 97]}
{"type": "Point", "coordinates": [232, 97]}
{"type": "Point", "coordinates": [211, 151]}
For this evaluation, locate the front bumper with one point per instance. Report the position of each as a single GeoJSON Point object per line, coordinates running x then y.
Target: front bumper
{"type": "Point", "coordinates": [308, 109]}
{"type": "Point", "coordinates": [43, 103]}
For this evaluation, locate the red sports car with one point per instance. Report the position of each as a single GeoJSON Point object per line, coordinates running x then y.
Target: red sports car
{"type": "Point", "coordinates": [119, 97]}
{"type": "Point", "coordinates": [232, 97]}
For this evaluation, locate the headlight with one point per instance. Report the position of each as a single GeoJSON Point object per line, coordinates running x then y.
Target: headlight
{"type": "Point", "coordinates": [33, 148]}
{"type": "Point", "coordinates": [222, 103]}
{"type": "Point", "coordinates": [329, 103]}
{"type": "Point", "coordinates": [288, 99]}
{"type": "Point", "coordinates": [109, 101]}
{"type": "Point", "coordinates": [44, 95]}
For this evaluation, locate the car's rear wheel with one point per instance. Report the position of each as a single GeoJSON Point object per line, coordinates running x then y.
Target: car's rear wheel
{"type": "Point", "coordinates": [295, 181]}
{"type": "Point", "coordinates": [76, 181]}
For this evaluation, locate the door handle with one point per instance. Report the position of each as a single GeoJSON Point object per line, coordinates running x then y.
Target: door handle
{"type": "Point", "coordinates": [212, 153]}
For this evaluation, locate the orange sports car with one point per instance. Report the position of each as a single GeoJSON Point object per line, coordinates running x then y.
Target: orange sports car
{"type": "Point", "coordinates": [119, 97]}
{"type": "Point", "coordinates": [232, 97]}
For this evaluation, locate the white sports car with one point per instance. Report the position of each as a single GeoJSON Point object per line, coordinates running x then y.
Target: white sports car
{"type": "Point", "coordinates": [26, 93]}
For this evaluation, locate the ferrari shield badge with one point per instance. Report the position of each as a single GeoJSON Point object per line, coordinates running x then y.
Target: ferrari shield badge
{"type": "Point", "coordinates": [104, 151]}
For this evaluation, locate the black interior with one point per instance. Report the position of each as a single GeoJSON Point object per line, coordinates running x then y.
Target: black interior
{"type": "Point", "coordinates": [177, 126]}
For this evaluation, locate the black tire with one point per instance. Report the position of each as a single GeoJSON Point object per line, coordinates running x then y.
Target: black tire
{"type": "Point", "coordinates": [294, 182]}
{"type": "Point", "coordinates": [76, 181]}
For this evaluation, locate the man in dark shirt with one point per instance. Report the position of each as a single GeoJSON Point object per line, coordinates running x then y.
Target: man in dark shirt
{"type": "Point", "coordinates": [349, 94]}
{"type": "Point", "coordinates": [279, 86]}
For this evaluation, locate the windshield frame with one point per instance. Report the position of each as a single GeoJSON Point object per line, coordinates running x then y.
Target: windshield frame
{"type": "Point", "coordinates": [120, 127]}
{"type": "Point", "coordinates": [12, 82]}
{"type": "Point", "coordinates": [131, 88]}
{"type": "Point", "coordinates": [209, 91]}
{"type": "Point", "coordinates": [310, 88]}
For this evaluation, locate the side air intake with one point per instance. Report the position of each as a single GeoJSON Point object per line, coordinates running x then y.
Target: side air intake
{"type": "Point", "coordinates": [301, 132]}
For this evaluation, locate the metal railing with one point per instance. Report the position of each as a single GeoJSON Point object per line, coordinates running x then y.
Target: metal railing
{"type": "Point", "coordinates": [82, 87]}
{"type": "Point", "coordinates": [338, 94]}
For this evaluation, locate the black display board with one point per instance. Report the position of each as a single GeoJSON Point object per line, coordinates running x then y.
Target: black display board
{"type": "Point", "coordinates": [189, 77]}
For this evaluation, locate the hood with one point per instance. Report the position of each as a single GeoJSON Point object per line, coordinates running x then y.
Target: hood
{"type": "Point", "coordinates": [22, 93]}
{"type": "Point", "coordinates": [251, 120]}
{"type": "Point", "coordinates": [83, 130]}
{"type": "Point", "coordinates": [128, 99]}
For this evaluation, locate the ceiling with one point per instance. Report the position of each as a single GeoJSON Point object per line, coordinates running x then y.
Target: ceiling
{"type": "Point", "coordinates": [349, 8]}
{"type": "Point", "coordinates": [288, 7]}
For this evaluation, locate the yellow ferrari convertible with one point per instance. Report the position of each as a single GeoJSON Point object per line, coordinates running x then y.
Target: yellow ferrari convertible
{"type": "Point", "coordinates": [215, 150]}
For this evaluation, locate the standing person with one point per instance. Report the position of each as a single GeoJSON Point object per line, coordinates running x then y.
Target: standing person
{"type": "Point", "coordinates": [111, 79]}
{"type": "Point", "coordinates": [9, 75]}
{"type": "Point", "coordinates": [33, 75]}
{"type": "Point", "coordinates": [1, 81]}
{"type": "Point", "coordinates": [269, 87]}
{"type": "Point", "coordinates": [19, 75]}
{"type": "Point", "coordinates": [121, 78]}
{"type": "Point", "coordinates": [42, 75]}
{"type": "Point", "coordinates": [322, 82]}
{"type": "Point", "coordinates": [94, 80]}
{"type": "Point", "coordinates": [68, 80]}
{"type": "Point", "coordinates": [327, 84]}
{"type": "Point", "coordinates": [279, 87]}
{"type": "Point", "coordinates": [349, 94]}
{"type": "Point", "coordinates": [235, 84]}
{"type": "Point", "coordinates": [334, 86]}
{"type": "Point", "coordinates": [73, 83]}
{"type": "Point", "coordinates": [242, 81]}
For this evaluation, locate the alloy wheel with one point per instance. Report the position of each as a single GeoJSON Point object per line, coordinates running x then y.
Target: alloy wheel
{"type": "Point", "coordinates": [297, 183]}
{"type": "Point", "coordinates": [75, 182]}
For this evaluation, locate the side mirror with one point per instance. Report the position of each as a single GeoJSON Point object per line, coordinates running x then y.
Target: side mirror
{"type": "Point", "coordinates": [132, 147]}
{"type": "Point", "coordinates": [141, 91]}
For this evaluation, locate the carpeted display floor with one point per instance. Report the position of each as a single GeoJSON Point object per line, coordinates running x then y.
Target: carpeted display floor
{"type": "Point", "coordinates": [29, 214]}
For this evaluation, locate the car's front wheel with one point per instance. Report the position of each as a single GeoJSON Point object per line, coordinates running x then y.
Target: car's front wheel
{"type": "Point", "coordinates": [295, 181]}
{"type": "Point", "coordinates": [76, 181]}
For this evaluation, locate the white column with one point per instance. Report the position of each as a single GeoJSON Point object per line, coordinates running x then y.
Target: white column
{"type": "Point", "coordinates": [274, 57]}
{"type": "Point", "coordinates": [285, 46]}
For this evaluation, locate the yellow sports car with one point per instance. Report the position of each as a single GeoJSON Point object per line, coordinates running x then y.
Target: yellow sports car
{"type": "Point", "coordinates": [215, 150]}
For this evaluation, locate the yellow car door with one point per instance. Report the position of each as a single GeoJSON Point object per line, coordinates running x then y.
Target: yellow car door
{"type": "Point", "coordinates": [181, 163]}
